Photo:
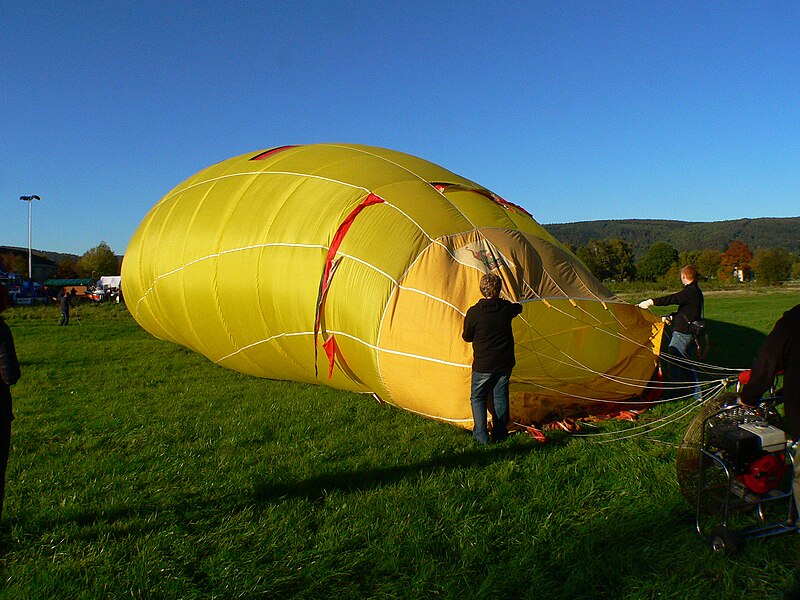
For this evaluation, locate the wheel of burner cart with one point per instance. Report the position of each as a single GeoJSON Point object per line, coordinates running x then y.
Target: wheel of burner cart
{"type": "Point", "coordinates": [723, 540]}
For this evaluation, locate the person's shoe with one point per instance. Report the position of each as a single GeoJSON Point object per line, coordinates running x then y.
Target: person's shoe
{"type": "Point", "coordinates": [481, 439]}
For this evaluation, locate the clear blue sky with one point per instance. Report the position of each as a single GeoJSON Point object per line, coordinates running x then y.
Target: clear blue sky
{"type": "Point", "coordinates": [577, 111]}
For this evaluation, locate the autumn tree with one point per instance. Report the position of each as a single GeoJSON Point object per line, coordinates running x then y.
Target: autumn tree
{"type": "Point", "coordinates": [14, 263]}
{"type": "Point", "coordinates": [657, 261]}
{"type": "Point", "coordinates": [772, 266]}
{"type": "Point", "coordinates": [611, 258]}
{"type": "Point", "coordinates": [98, 261]}
{"type": "Point", "coordinates": [736, 258]}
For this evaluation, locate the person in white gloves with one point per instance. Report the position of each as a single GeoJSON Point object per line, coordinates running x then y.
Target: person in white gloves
{"type": "Point", "coordinates": [690, 308]}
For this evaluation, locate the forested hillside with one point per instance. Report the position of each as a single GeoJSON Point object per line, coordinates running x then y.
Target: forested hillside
{"type": "Point", "coordinates": [685, 236]}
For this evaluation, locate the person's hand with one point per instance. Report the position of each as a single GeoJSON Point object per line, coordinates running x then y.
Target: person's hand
{"type": "Point", "coordinates": [666, 319]}
{"type": "Point", "coordinates": [645, 304]}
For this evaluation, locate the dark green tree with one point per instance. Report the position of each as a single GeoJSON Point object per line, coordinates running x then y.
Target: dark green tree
{"type": "Point", "coordinates": [66, 269]}
{"type": "Point", "coordinates": [708, 263]}
{"type": "Point", "coordinates": [608, 259]}
{"type": "Point", "coordinates": [690, 257]}
{"type": "Point", "coordinates": [98, 261]}
{"type": "Point", "coordinates": [657, 261]}
{"type": "Point", "coordinates": [772, 266]}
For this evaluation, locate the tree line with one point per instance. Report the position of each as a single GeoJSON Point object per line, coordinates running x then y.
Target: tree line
{"type": "Point", "coordinates": [95, 262]}
{"type": "Point", "coordinates": [612, 259]}
{"type": "Point", "coordinates": [609, 259]}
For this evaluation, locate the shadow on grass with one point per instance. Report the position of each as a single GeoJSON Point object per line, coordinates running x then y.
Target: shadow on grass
{"type": "Point", "coordinates": [731, 346]}
{"type": "Point", "coordinates": [639, 546]}
{"type": "Point", "coordinates": [315, 488]}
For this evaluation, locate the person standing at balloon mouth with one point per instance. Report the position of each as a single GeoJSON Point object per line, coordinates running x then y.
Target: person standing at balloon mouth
{"type": "Point", "coordinates": [487, 325]}
{"type": "Point", "coordinates": [690, 308]}
{"type": "Point", "coordinates": [9, 375]}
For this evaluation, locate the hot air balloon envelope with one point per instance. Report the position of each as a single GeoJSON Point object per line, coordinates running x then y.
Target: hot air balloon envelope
{"type": "Point", "coordinates": [353, 266]}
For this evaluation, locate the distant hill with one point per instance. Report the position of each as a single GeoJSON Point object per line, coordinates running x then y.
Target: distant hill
{"type": "Point", "coordinates": [56, 257]}
{"type": "Point", "coordinates": [684, 236]}
{"type": "Point", "coordinates": [643, 233]}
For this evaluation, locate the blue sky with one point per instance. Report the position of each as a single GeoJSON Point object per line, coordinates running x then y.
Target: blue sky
{"type": "Point", "coordinates": [575, 110]}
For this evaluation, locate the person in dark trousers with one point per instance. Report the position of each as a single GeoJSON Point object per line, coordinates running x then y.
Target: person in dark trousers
{"type": "Point", "coordinates": [487, 325]}
{"type": "Point", "coordinates": [9, 375]}
{"type": "Point", "coordinates": [65, 300]}
{"type": "Point", "coordinates": [690, 308]}
{"type": "Point", "coordinates": [780, 352]}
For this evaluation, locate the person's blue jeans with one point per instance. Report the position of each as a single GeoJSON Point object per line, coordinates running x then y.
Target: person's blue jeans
{"type": "Point", "coordinates": [484, 386]}
{"type": "Point", "coordinates": [679, 369]}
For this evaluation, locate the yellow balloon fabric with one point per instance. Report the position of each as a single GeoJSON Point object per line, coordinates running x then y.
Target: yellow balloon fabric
{"type": "Point", "coordinates": [353, 266]}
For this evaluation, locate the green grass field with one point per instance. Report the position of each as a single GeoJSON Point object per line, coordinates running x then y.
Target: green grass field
{"type": "Point", "coordinates": [141, 470]}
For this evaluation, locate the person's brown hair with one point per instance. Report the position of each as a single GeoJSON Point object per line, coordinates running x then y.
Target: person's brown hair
{"type": "Point", "coordinates": [690, 272]}
{"type": "Point", "coordinates": [490, 285]}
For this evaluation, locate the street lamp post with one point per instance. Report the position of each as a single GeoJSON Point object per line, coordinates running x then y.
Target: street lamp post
{"type": "Point", "coordinates": [29, 200]}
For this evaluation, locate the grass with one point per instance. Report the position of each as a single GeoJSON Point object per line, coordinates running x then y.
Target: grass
{"type": "Point", "coordinates": [140, 470]}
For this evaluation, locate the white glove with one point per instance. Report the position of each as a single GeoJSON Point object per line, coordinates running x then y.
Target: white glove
{"type": "Point", "coordinates": [666, 319]}
{"type": "Point", "coordinates": [645, 304]}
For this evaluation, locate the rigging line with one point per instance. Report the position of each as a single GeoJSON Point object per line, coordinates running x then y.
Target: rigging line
{"type": "Point", "coordinates": [633, 381]}
{"type": "Point", "coordinates": [577, 364]}
{"type": "Point", "coordinates": [683, 361]}
{"type": "Point", "coordinates": [641, 426]}
{"type": "Point", "coordinates": [710, 366]}
{"type": "Point", "coordinates": [548, 304]}
{"type": "Point", "coordinates": [591, 399]}
{"type": "Point", "coordinates": [715, 370]}
{"type": "Point", "coordinates": [622, 337]}
{"type": "Point", "coordinates": [603, 401]}
{"type": "Point", "coordinates": [585, 368]}
{"type": "Point", "coordinates": [647, 427]}
{"type": "Point", "coordinates": [538, 258]}
{"type": "Point", "coordinates": [534, 253]}
{"type": "Point", "coordinates": [615, 334]}
{"type": "Point", "coordinates": [692, 408]}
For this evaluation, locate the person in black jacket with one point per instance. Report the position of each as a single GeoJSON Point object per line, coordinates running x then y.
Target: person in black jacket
{"type": "Point", "coordinates": [780, 352]}
{"type": "Point", "coordinates": [9, 374]}
{"type": "Point", "coordinates": [488, 326]}
{"type": "Point", "coordinates": [65, 300]}
{"type": "Point", "coordinates": [690, 308]}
